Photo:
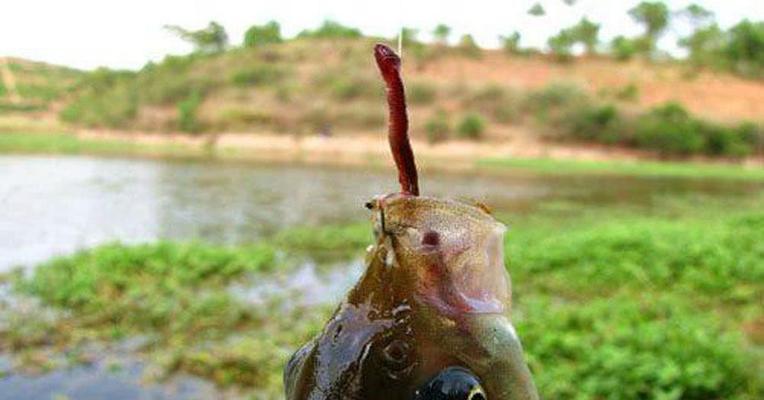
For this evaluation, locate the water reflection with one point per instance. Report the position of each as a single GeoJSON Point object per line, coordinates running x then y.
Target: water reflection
{"type": "Point", "coordinates": [57, 204]}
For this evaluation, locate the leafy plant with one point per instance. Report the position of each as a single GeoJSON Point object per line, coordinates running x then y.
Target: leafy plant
{"type": "Point", "coordinates": [511, 43]}
{"type": "Point", "coordinates": [469, 47]}
{"type": "Point", "coordinates": [261, 74]}
{"type": "Point", "coordinates": [438, 127]}
{"type": "Point", "coordinates": [472, 126]}
{"type": "Point", "coordinates": [422, 93]}
{"type": "Point", "coordinates": [331, 30]}
{"type": "Point", "coordinates": [212, 39]}
{"type": "Point", "coordinates": [187, 113]}
{"type": "Point", "coordinates": [441, 34]}
{"type": "Point", "coordinates": [669, 129]}
{"type": "Point", "coordinates": [258, 35]}
{"type": "Point", "coordinates": [655, 16]}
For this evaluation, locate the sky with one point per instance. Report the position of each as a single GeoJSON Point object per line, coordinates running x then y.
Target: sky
{"type": "Point", "coordinates": [87, 34]}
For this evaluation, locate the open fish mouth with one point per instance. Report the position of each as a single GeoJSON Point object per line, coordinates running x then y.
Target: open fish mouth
{"type": "Point", "coordinates": [452, 250]}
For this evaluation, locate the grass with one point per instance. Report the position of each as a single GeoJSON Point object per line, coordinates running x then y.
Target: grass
{"type": "Point", "coordinates": [65, 143]}
{"type": "Point", "coordinates": [610, 304]}
{"type": "Point", "coordinates": [635, 168]}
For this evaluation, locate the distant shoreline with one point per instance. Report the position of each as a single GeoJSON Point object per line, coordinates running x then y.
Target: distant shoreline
{"type": "Point", "coordinates": [372, 151]}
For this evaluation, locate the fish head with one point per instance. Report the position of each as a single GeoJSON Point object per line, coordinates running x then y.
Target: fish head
{"type": "Point", "coordinates": [427, 320]}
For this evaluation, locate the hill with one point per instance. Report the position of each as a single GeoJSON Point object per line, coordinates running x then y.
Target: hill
{"type": "Point", "coordinates": [309, 86]}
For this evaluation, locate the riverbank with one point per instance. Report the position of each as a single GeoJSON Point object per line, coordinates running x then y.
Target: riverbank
{"type": "Point", "coordinates": [372, 151]}
{"type": "Point", "coordinates": [609, 303]}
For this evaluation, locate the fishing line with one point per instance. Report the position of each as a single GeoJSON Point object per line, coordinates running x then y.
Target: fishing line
{"type": "Point", "coordinates": [400, 43]}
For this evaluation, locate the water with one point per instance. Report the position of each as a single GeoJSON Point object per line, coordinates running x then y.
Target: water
{"type": "Point", "coordinates": [53, 205]}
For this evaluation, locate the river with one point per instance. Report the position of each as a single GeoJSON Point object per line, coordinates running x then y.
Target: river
{"type": "Point", "coordinates": [54, 205]}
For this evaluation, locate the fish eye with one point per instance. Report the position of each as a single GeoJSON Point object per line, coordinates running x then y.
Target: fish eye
{"type": "Point", "coordinates": [431, 238]}
{"type": "Point", "coordinates": [397, 355]}
{"type": "Point", "coordinates": [453, 383]}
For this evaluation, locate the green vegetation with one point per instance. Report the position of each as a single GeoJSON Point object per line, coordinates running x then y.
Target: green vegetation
{"type": "Point", "coordinates": [64, 143]}
{"type": "Point", "coordinates": [472, 126]}
{"type": "Point", "coordinates": [421, 93]}
{"type": "Point", "coordinates": [441, 34]}
{"type": "Point", "coordinates": [634, 168]}
{"type": "Point", "coordinates": [212, 39]}
{"type": "Point", "coordinates": [187, 110]}
{"type": "Point", "coordinates": [655, 17]}
{"type": "Point", "coordinates": [609, 303]}
{"type": "Point", "coordinates": [37, 86]}
{"type": "Point", "coordinates": [469, 47]}
{"type": "Point", "coordinates": [315, 83]}
{"type": "Point", "coordinates": [258, 75]}
{"type": "Point", "coordinates": [511, 43]}
{"type": "Point", "coordinates": [259, 35]}
{"type": "Point", "coordinates": [666, 129]}
{"type": "Point", "coordinates": [438, 127]}
{"type": "Point", "coordinates": [331, 30]}
{"type": "Point", "coordinates": [584, 32]}
{"type": "Point", "coordinates": [537, 10]}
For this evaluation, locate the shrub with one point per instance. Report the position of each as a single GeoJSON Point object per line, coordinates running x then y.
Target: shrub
{"type": "Point", "coordinates": [669, 129]}
{"type": "Point", "coordinates": [468, 47]}
{"type": "Point", "coordinates": [187, 109]}
{"type": "Point", "coordinates": [258, 35]}
{"type": "Point", "coordinates": [751, 134]}
{"type": "Point", "coordinates": [350, 88]}
{"type": "Point", "coordinates": [623, 48]}
{"type": "Point", "coordinates": [625, 347]}
{"type": "Point", "coordinates": [472, 126]}
{"type": "Point", "coordinates": [724, 141]}
{"type": "Point", "coordinates": [212, 39]}
{"type": "Point", "coordinates": [561, 45]}
{"type": "Point", "coordinates": [554, 100]}
{"type": "Point", "coordinates": [628, 92]}
{"type": "Point", "coordinates": [105, 99]}
{"type": "Point", "coordinates": [238, 117]}
{"type": "Point", "coordinates": [422, 93]}
{"type": "Point", "coordinates": [511, 43]}
{"type": "Point", "coordinates": [360, 116]}
{"type": "Point", "coordinates": [261, 74]}
{"type": "Point", "coordinates": [438, 127]}
{"type": "Point", "coordinates": [745, 48]}
{"type": "Point", "coordinates": [596, 123]}
{"type": "Point", "coordinates": [331, 30]}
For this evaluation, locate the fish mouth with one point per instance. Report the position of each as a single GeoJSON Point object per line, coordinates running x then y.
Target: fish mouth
{"type": "Point", "coordinates": [451, 251]}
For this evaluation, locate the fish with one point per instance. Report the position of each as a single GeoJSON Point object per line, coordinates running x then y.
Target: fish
{"type": "Point", "coordinates": [428, 319]}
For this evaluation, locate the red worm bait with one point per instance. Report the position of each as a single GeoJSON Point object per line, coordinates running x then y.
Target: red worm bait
{"type": "Point", "coordinates": [390, 66]}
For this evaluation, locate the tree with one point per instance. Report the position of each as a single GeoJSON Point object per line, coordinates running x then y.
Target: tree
{"type": "Point", "coordinates": [409, 36]}
{"type": "Point", "coordinates": [561, 44]}
{"type": "Point", "coordinates": [537, 10]}
{"type": "Point", "coordinates": [655, 17]}
{"type": "Point", "coordinates": [258, 35]}
{"type": "Point", "coordinates": [623, 48]}
{"type": "Point", "coordinates": [441, 33]}
{"type": "Point", "coordinates": [744, 48]}
{"type": "Point", "coordinates": [586, 33]}
{"type": "Point", "coordinates": [511, 43]}
{"type": "Point", "coordinates": [468, 46]}
{"type": "Point", "coordinates": [697, 15]}
{"type": "Point", "coordinates": [331, 30]}
{"type": "Point", "coordinates": [704, 46]}
{"type": "Point", "coordinates": [212, 39]}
